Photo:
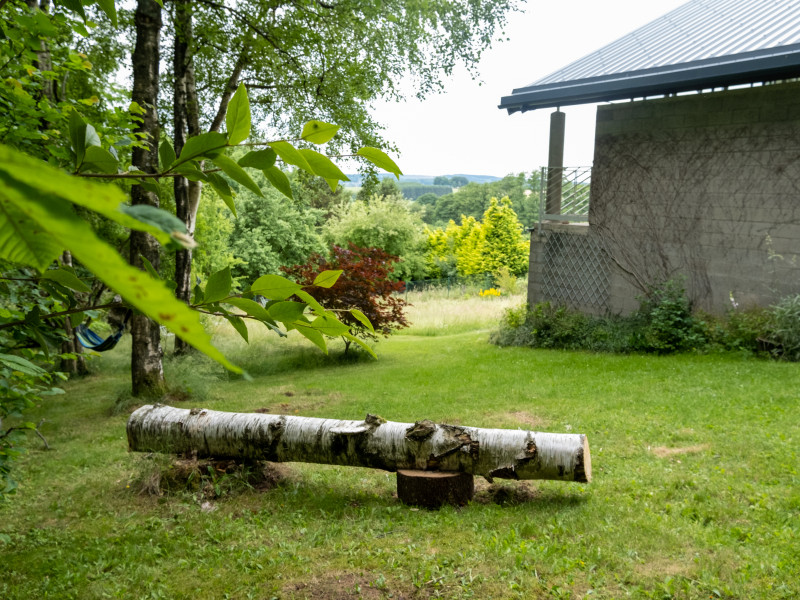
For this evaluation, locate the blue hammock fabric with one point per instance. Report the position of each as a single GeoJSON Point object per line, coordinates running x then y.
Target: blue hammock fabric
{"type": "Point", "coordinates": [91, 340]}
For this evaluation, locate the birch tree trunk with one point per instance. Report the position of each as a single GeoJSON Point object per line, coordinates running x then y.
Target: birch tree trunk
{"type": "Point", "coordinates": [374, 443]}
{"type": "Point", "coordinates": [147, 373]}
{"type": "Point", "coordinates": [186, 123]}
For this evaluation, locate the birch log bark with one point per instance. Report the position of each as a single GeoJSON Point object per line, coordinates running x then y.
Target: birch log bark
{"type": "Point", "coordinates": [374, 443]}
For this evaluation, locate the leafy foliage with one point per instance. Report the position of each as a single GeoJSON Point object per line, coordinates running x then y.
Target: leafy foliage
{"type": "Point", "coordinates": [472, 199]}
{"type": "Point", "coordinates": [365, 286]}
{"type": "Point", "coordinates": [785, 328]}
{"type": "Point", "coordinates": [270, 233]}
{"type": "Point", "coordinates": [665, 323]}
{"type": "Point", "coordinates": [384, 222]}
{"type": "Point", "coordinates": [475, 247]}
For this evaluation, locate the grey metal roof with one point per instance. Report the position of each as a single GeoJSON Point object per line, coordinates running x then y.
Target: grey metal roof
{"type": "Point", "coordinates": [701, 44]}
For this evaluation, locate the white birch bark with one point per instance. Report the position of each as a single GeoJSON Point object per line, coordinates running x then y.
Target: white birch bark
{"type": "Point", "coordinates": [374, 443]}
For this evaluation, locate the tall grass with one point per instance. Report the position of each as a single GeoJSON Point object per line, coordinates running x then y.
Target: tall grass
{"type": "Point", "coordinates": [439, 312]}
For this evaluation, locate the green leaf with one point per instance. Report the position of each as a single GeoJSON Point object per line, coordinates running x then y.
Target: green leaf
{"type": "Point", "coordinates": [67, 279]}
{"type": "Point", "coordinates": [99, 159]}
{"type": "Point", "coordinates": [322, 165]}
{"type": "Point", "coordinates": [290, 155]}
{"type": "Point", "coordinates": [329, 325]}
{"type": "Point", "coordinates": [75, 6]}
{"type": "Point", "coordinates": [148, 266]}
{"type": "Point", "coordinates": [106, 200]}
{"type": "Point", "coordinates": [286, 312]}
{"type": "Point", "coordinates": [151, 185]}
{"type": "Point", "coordinates": [258, 159]}
{"type": "Point", "coordinates": [311, 301]}
{"type": "Point", "coordinates": [223, 189]}
{"type": "Point", "coordinates": [362, 318]}
{"type": "Point", "coordinates": [107, 6]}
{"type": "Point", "coordinates": [237, 173]}
{"type": "Point", "coordinates": [251, 307]}
{"type": "Point", "coordinates": [275, 287]}
{"type": "Point", "coordinates": [237, 119]}
{"type": "Point", "coordinates": [361, 343]}
{"type": "Point", "coordinates": [22, 241]}
{"type": "Point", "coordinates": [327, 279]}
{"type": "Point", "coordinates": [380, 159]}
{"type": "Point", "coordinates": [218, 286]}
{"type": "Point", "coordinates": [279, 179]}
{"type": "Point", "coordinates": [313, 335]}
{"type": "Point", "coordinates": [157, 217]}
{"type": "Point", "coordinates": [77, 134]}
{"type": "Point", "coordinates": [166, 155]}
{"type": "Point", "coordinates": [206, 145]}
{"type": "Point", "coordinates": [55, 216]}
{"type": "Point", "coordinates": [76, 319]}
{"type": "Point", "coordinates": [91, 138]}
{"type": "Point", "coordinates": [191, 171]}
{"type": "Point", "coordinates": [17, 363]}
{"type": "Point", "coordinates": [239, 325]}
{"type": "Point", "coordinates": [318, 132]}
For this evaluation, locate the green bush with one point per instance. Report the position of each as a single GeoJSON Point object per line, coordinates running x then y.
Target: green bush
{"type": "Point", "coordinates": [664, 322]}
{"type": "Point", "coordinates": [785, 328]}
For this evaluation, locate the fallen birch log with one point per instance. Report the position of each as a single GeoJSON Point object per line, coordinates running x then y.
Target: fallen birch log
{"type": "Point", "coordinates": [373, 443]}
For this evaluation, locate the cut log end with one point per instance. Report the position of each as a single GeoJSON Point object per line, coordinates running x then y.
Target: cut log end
{"type": "Point", "coordinates": [583, 470]}
{"type": "Point", "coordinates": [431, 489]}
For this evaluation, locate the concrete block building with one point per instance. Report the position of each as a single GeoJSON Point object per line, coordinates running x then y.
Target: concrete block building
{"type": "Point", "coordinates": [696, 172]}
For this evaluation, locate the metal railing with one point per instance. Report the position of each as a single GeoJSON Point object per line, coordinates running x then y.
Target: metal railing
{"type": "Point", "coordinates": [565, 194]}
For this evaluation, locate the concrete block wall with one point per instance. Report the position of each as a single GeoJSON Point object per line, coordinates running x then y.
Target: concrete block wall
{"type": "Point", "coordinates": [705, 187]}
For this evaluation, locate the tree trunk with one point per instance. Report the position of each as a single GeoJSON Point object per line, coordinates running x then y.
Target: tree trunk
{"type": "Point", "coordinates": [147, 374]}
{"type": "Point", "coordinates": [374, 443]}
{"type": "Point", "coordinates": [186, 121]}
{"type": "Point", "coordinates": [77, 365]}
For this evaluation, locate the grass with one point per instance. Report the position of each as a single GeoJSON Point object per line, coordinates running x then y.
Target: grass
{"type": "Point", "coordinates": [695, 493]}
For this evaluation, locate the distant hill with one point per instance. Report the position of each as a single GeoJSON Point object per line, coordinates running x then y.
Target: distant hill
{"type": "Point", "coordinates": [355, 178]}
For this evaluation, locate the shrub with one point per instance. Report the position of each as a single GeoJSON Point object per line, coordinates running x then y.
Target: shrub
{"type": "Point", "coordinates": [664, 321]}
{"type": "Point", "coordinates": [785, 328]}
{"type": "Point", "coordinates": [364, 285]}
{"type": "Point", "coordinates": [506, 281]}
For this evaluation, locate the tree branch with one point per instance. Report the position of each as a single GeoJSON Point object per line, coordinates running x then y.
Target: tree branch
{"type": "Point", "coordinates": [227, 93]}
{"type": "Point", "coordinates": [63, 313]}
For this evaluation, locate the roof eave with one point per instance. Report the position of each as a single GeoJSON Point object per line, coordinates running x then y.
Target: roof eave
{"type": "Point", "coordinates": [781, 64]}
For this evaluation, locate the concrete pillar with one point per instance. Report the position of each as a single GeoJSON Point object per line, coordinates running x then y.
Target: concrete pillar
{"type": "Point", "coordinates": [555, 163]}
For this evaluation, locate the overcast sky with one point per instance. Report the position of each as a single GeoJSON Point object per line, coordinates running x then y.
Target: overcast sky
{"type": "Point", "coordinates": [463, 131]}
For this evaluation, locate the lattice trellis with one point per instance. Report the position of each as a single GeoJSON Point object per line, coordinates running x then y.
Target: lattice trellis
{"type": "Point", "coordinates": [575, 271]}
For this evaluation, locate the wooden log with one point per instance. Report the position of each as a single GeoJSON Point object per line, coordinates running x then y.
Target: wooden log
{"type": "Point", "coordinates": [373, 442]}
{"type": "Point", "coordinates": [433, 489]}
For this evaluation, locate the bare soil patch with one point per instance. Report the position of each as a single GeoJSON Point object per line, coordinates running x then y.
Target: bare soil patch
{"type": "Point", "coordinates": [527, 419]}
{"type": "Point", "coordinates": [664, 452]}
{"type": "Point", "coordinates": [340, 586]}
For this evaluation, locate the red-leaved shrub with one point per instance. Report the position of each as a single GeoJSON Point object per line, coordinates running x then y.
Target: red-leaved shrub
{"type": "Point", "coordinates": [364, 285]}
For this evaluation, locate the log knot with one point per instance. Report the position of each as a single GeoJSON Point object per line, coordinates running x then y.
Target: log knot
{"type": "Point", "coordinates": [421, 430]}
{"type": "Point", "coordinates": [374, 420]}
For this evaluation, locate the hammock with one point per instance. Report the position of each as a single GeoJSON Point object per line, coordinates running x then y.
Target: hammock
{"type": "Point", "coordinates": [91, 340]}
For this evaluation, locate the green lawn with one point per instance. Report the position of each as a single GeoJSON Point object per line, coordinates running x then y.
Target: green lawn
{"type": "Point", "coordinates": [695, 491]}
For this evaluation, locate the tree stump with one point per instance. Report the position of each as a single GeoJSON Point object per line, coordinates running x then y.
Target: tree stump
{"type": "Point", "coordinates": [432, 489]}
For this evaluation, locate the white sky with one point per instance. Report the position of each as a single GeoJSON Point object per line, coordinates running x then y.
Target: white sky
{"type": "Point", "coordinates": [463, 131]}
